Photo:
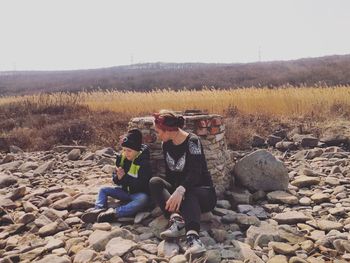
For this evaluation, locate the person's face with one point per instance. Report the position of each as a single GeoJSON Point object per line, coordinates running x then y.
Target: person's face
{"type": "Point", "coordinates": [162, 135]}
{"type": "Point", "coordinates": [130, 154]}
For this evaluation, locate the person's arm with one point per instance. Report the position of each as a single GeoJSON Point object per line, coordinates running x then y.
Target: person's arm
{"type": "Point", "coordinates": [140, 184]}
{"type": "Point", "coordinates": [194, 164]}
{"type": "Point", "coordinates": [115, 178]}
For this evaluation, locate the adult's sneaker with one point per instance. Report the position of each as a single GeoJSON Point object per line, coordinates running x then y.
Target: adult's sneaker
{"type": "Point", "coordinates": [176, 229]}
{"type": "Point", "coordinates": [194, 245]}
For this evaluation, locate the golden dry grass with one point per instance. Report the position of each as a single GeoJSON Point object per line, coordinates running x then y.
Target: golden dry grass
{"type": "Point", "coordinates": [281, 102]}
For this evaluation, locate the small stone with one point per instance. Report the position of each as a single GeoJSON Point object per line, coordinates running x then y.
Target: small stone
{"type": "Point", "coordinates": [327, 225]}
{"type": "Point", "coordinates": [74, 155]}
{"type": "Point", "coordinates": [178, 259]}
{"type": "Point", "coordinates": [102, 226]}
{"type": "Point", "coordinates": [297, 260]}
{"type": "Point", "coordinates": [305, 201]}
{"type": "Point", "coordinates": [283, 248]}
{"type": "Point", "coordinates": [278, 259]}
{"type": "Point", "coordinates": [320, 198]}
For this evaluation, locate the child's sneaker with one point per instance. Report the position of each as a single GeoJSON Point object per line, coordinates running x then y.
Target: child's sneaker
{"type": "Point", "coordinates": [176, 229]}
{"type": "Point", "coordinates": [107, 216]}
{"type": "Point", "coordinates": [90, 216]}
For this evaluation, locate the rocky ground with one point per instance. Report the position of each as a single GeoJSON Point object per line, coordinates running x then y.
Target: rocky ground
{"type": "Point", "coordinates": [43, 195]}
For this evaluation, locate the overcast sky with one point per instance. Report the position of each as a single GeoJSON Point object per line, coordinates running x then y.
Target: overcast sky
{"type": "Point", "coordinates": [80, 34]}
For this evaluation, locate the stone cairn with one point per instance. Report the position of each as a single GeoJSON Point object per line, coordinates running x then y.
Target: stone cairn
{"type": "Point", "coordinates": [211, 130]}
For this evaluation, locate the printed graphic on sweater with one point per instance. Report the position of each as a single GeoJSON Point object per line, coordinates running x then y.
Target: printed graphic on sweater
{"type": "Point", "coordinates": [176, 166]}
{"type": "Point", "coordinates": [195, 148]}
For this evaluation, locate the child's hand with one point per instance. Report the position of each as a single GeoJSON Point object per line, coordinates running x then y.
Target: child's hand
{"type": "Point", "coordinates": [120, 172]}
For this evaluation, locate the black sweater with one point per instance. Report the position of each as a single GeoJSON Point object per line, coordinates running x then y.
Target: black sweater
{"type": "Point", "coordinates": [132, 184]}
{"type": "Point", "coordinates": [186, 164]}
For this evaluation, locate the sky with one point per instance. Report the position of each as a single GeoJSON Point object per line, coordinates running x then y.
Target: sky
{"type": "Point", "coordinates": [83, 34]}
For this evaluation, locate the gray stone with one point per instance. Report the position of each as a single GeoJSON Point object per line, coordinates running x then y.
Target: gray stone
{"type": "Point", "coordinates": [12, 166]}
{"type": "Point", "coordinates": [7, 180]}
{"type": "Point", "coordinates": [99, 239]}
{"type": "Point", "coordinates": [219, 235]}
{"type": "Point", "coordinates": [178, 259]}
{"type": "Point", "coordinates": [283, 248]}
{"type": "Point", "coordinates": [15, 149]}
{"type": "Point", "coordinates": [28, 166]}
{"type": "Point", "coordinates": [258, 141]}
{"type": "Point", "coordinates": [335, 139]}
{"type": "Point", "coordinates": [223, 204]}
{"type": "Point", "coordinates": [83, 202]}
{"type": "Point", "coordinates": [74, 155]}
{"type": "Point", "coordinates": [26, 218]}
{"type": "Point", "coordinates": [282, 197]}
{"type": "Point", "coordinates": [285, 146]}
{"type": "Point", "coordinates": [53, 228]}
{"type": "Point", "coordinates": [328, 225]}
{"type": "Point", "coordinates": [7, 203]}
{"type": "Point", "coordinates": [320, 197]}
{"type": "Point", "coordinates": [168, 249]}
{"type": "Point", "coordinates": [213, 256]}
{"type": "Point", "coordinates": [158, 225]}
{"type": "Point", "coordinates": [273, 139]}
{"type": "Point", "coordinates": [260, 236]}
{"type": "Point", "coordinates": [54, 259]}
{"type": "Point", "coordinates": [42, 169]}
{"type": "Point", "coordinates": [278, 259]}
{"type": "Point", "coordinates": [260, 170]}
{"type": "Point", "coordinates": [309, 141]}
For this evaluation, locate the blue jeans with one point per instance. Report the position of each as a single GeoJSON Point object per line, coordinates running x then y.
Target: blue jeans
{"type": "Point", "coordinates": [136, 202]}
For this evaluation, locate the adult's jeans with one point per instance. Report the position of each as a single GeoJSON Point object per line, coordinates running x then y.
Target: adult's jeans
{"type": "Point", "coordinates": [197, 200]}
{"type": "Point", "coordinates": [135, 202]}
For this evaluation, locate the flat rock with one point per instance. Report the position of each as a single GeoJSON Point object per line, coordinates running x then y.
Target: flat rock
{"type": "Point", "coordinates": [283, 248]}
{"type": "Point", "coordinates": [305, 181]}
{"type": "Point", "coordinates": [118, 247]}
{"type": "Point", "coordinates": [328, 225]}
{"type": "Point", "coordinates": [320, 198]}
{"type": "Point", "coordinates": [282, 197]}
{"type": "Point", "coordinates": [291, 217]}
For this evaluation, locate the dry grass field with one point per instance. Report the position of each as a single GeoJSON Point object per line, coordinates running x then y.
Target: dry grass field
{"type": "Point", "coordinates": [97, 118]}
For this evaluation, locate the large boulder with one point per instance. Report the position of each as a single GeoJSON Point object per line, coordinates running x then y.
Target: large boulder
{"type": "Point", "coordinates": [260, 170]}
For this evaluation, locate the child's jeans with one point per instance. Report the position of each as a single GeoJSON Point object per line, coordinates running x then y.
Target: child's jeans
{"type": "Point", "coordinates": [136, 202]}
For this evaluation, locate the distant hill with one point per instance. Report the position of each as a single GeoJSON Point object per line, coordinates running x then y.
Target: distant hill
{"type": "Point", "coordinates": [330, 70]}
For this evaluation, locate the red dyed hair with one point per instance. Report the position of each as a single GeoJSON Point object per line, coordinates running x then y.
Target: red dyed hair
{"type": "Point", "coordinates": [168, 121]}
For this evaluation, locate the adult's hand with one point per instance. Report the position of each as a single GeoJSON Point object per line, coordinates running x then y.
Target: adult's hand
{"type": "Point", "coordinates": [174, 202]}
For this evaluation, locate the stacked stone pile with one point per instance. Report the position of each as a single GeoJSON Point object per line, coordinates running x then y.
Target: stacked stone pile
{"type": "Point", "coordinates": [211, 130]}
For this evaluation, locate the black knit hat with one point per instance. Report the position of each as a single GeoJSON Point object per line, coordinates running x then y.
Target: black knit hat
{"type": "Point", "coordinates": [133, 140]}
